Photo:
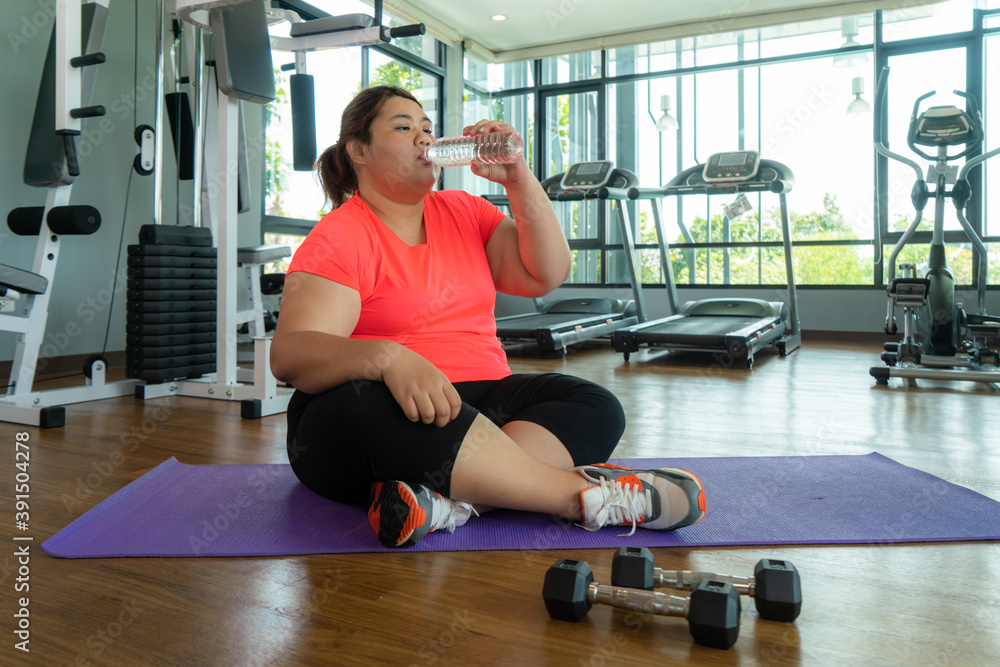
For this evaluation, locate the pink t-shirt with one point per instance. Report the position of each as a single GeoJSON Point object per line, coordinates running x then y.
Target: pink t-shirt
{"type": "Point", "coordinates": [436, 298]}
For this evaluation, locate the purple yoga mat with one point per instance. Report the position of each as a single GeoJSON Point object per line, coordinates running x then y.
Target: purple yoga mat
{"type": "Point", "coordinates": [262, 510]}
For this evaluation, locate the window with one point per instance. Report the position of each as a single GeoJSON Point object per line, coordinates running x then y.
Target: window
{"type": "Point", "coordinates": [570, 136]}
{"type": "Point", "coordinates": [296, 194]}
{"type": "Point", "coordinates": [806, 129]}
{"type": "Point", "coordinates": [515, 110]}
{"type": "Point", "coordinates": [917, 20]}
{"type": "Point", "coordinates": [647, 58]}
{"type": "Point", "coordinates": [913, 75]}
{"type": "Point", "coordinates": [572, 67]}
{"type": "Point", "coordinates": [294, 200]}
{"type": "Point", "coordinates": [384, 70]}
{"type": "Point", "coordinates": [777, 89]}
{"type": "Point", "coordinates": [991, 118]}
{"type": "Point", "coordinates": [496, 77]}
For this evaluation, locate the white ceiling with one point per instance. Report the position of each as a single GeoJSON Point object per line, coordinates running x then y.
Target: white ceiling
{"type": "Point", "coordinates": [573, 25]}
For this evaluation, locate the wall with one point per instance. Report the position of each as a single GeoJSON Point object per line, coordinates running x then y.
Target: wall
{"type": "Point", "coordinates": [86, 292]}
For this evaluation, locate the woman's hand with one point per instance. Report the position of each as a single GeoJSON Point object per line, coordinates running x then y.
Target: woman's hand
{"type": "Point", "coordinates": [422, 391]}
{"type": "Point", "coordinates": [504, 174]}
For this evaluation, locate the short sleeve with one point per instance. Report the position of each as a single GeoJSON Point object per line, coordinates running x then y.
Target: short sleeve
{"type": "Point", "coordinates": [488, 216]}
{"type": "Point", "coordinates": [337, 252]}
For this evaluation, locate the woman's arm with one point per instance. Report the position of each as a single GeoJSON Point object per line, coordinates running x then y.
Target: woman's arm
{"type": "Point", "coordinates": [529, 255]}
{"type": "Point", "coordinates": [312, 350]}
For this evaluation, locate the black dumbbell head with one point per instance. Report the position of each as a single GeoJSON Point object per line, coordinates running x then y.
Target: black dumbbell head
{"type": "Point", "coordinates": [565, 589]}
{"type": "Point", "coordinates": [714, 614]}
{"type": "Point", "coordinates": [779, 590]}
{"type": "Point", "coordinates": [632, 567]}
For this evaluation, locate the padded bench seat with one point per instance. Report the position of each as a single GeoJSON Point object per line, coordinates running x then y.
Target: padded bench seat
{"type": "Point", "coordinates": [262, 254]}
{"type": "Point", "coordinates": [22, 281]}
{"type": "Point", "coordinates": [331, 24]}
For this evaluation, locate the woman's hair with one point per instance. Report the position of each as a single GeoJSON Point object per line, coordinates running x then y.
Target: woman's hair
{"type": "Point", "coordinates": [335, 167]}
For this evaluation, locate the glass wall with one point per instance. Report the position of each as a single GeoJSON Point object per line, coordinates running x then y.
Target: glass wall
{"type": "Point", "coordinates": [515, 110]}
{"type": "Point", "coordinates": [912, 75]}
{"type": "Point", "coordinates": [801, 94]}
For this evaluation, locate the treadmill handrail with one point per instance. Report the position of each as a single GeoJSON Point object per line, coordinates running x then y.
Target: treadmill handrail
{"type": "Point", "coordinates": [571, 195]}
{"type": "Point", "coordinates": [678, 185]}
{"type": "Point", "coordinates": [776, 187]}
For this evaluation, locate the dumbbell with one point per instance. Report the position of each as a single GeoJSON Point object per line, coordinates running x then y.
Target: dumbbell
{"type": "Point", "coordinates": [775, 586]}
{"type": "Point", "coordinates": [712, 611]}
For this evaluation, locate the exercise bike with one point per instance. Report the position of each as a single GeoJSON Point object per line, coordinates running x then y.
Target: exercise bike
{"type": "Point", "coordinates": [940, 340]}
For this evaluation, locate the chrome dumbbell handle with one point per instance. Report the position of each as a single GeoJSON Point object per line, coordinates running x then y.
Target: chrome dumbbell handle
{"type": "Point", "coordinates": [640, 600]}
{"type": "Point", "coordinates": [684, 580]}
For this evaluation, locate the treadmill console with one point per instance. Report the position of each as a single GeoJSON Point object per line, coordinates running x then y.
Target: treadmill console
{"type": "Point", "coordinates": [587, 175]}
{"type": "Point", "coordinates": [731, 167]}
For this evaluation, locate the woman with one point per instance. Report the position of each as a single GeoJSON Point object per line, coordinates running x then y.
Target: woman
{"type": "Point", "coordinates": [404, 398]}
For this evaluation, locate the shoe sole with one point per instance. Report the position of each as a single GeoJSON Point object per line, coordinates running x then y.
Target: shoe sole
{"type": "Point", "coordinates": [395, 515]}
{"type": "Point", "coordinates": [694, 516]}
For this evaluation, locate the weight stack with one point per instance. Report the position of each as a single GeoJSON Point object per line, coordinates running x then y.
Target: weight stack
{"type": "Point", "coordinates": [171, 304]}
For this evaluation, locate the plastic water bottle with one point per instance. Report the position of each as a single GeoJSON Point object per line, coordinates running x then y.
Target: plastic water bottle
{"type": "Point", "coordinates": [488, 148]}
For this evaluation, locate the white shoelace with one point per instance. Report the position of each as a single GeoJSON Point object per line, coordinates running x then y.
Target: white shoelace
{"type": "Point", "coordinates": [452, 513]}
{"type": "Point", "coordinates": [622, 504]}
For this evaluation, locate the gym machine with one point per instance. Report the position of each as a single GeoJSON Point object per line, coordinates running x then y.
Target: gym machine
{"type": "Point", "coordinates": [940, 339]}
{"type": "Point", "coordinates": [52, 161]}
{"type": "Point", "coordinates": [563, 322]}
{"type": "Point", "coordinates": [736, 328]}
{"type": "Point", "coordinates": [243, 73]}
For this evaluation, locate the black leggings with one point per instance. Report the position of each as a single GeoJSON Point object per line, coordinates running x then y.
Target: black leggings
{"type": "Point", "coordinates": [342, 441]}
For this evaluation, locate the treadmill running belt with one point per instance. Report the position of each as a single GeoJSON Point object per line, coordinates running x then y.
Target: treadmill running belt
{"type": "Point", "coordinates": [704, 325]}
{"type": "Point", "coordinates": [703, 331]}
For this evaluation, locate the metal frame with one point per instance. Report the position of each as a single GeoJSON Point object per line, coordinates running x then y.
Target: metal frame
{"type": "Point", "coordinates": [258, 390]}
{"type": "Point", "coordinates": [22, 404]}
{"type": "Point", "coordinates": [785, 338]}
{"type": "Point", "coordinates": [909, 358]}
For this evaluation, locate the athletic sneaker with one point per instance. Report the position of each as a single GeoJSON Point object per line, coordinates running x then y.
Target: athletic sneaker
{"type": "Point", "coordinates": [401, 514]}
{"type": "Point", "coordinates": [658, 499]}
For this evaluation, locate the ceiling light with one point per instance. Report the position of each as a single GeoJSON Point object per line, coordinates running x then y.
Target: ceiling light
{"type": "Point", "coordinates": [849, 30]}
{"type": "Point", "coordinates": [666, 122]}
{"type": "Point", "coordinates": [858, 105]}
{"type": "Point", "coordinates": [498, 17]}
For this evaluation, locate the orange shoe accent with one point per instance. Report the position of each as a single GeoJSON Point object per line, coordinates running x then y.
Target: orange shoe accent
{"type": "Point", "coordinates": [609, 465]}
{"type": "Point", "coordinates": [702, 503]}
{"type": "Point", "coordinates": [629, 480]}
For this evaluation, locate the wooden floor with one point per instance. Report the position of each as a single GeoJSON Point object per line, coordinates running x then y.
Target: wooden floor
{"type": "Point", "coordinates": [919, 604]}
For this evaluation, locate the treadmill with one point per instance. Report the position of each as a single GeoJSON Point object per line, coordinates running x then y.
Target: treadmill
{"type": "Point", "coordinates": [563, 322]}
{"type": "Point", "coordinates": [733, 330]}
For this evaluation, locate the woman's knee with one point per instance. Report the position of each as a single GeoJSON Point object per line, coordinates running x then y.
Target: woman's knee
{"type": "Point", "coordinates": [600, 409]}
{"type": "Point", "coordinates": [588, 418]}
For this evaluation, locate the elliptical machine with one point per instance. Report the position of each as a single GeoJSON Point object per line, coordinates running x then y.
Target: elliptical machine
{"type": "Point", "coordinates": [940, 340]}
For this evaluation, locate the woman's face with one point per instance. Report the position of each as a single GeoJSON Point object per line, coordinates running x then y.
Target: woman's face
{"type": "Point", "coordinates": [393, 162]}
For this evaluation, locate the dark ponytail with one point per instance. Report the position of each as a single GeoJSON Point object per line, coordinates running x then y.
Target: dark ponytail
{"type": "Point", "coordinates": [334, 167]}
